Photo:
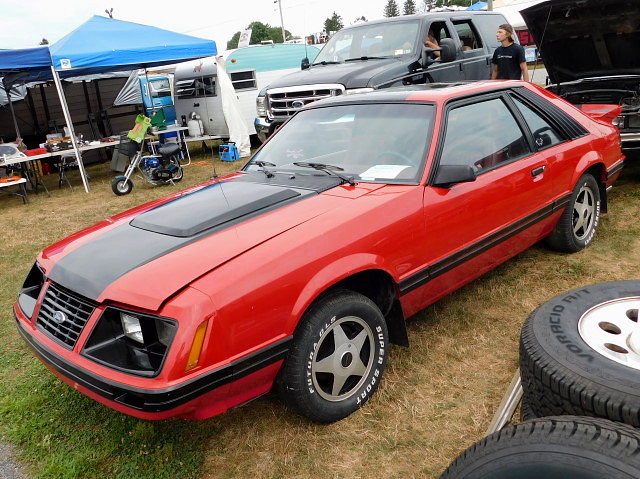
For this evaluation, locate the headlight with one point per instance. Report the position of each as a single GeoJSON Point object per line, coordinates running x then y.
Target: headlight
{"type": "Point", "coordinates": [358, 90]}
{"type": "Point", "coordinates": [131, 342]}
{"type": "Point", "coordinates": [31, 290]}
{"type": "Point", "coordinates": [261, 108]}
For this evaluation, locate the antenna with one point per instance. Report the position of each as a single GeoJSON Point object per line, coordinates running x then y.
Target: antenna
{"type": "Point", "coordinates": [109, 12]}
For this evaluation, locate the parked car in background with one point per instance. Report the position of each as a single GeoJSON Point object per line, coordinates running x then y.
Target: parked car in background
{"type": "Point", "coordinates": [382, 54]}
{"type": "Point", "coordinates": [300, 270]}
{"type": "Point", "coordinates": [589, 49]}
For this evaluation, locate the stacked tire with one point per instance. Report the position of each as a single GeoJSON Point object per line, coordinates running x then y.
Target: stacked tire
{"type": "Point", "coordinates": [580, 371]}
{"type": "Point", "coordinates": [580, 354]}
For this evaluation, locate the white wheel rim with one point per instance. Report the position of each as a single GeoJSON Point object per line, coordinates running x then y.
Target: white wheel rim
{"type": "Point", "coordinates": [611, 329]}
{"type": "Point", "coordinates": [342, 359]}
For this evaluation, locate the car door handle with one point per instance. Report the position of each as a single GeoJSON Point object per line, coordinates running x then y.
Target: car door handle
{"type": "Point", "coordinates": [538, 171]}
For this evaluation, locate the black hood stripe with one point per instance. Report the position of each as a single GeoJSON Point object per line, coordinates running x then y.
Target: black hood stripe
{"type": "Point", "coordinates": [92, 267]}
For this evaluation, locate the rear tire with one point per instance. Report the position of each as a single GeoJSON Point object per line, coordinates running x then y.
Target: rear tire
{"type": "Point", "coordinates": [579, 221]}
{"type": "Point", "coordinates": [121, 185]}
{"type": "Point", "coordinates": [566, 447]}
{"type": "Point", "coordinates": [337, 359]}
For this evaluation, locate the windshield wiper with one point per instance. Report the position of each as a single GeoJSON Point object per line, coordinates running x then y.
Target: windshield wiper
{"type": "Point", "coordinates": [364, 58]}
{"type": "Point", "coordinates": [329, 169]}
{"type": "Point", "coordinates": [325, 62]}
{"type": "Point", "coordinates": [262, 165]}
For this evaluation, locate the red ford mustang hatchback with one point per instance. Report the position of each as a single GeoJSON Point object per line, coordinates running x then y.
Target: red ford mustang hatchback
{"type": "Point", "coordinates": [299, 271]}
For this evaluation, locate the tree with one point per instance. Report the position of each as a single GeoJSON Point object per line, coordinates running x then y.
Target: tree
{"type": "Point", "coordinates": [260, 32]}
{"type": "Point", "coordinates": [391, 9]}
{"type": "Point", "coordinates": [409, 7]}
{"type": "Point", "coordinates": [333, 24]}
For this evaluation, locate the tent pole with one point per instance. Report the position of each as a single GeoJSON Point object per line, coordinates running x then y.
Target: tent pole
{"type": "Point", "coordinates": [13, 113]}
{"type": "Point", "coordinates": [72, 133]}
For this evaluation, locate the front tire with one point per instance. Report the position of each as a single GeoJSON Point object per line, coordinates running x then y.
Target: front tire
{"type": "Point", "coordinates": [178, 175]}
{"type": "Point", "coordinates": [338, 356]}
{"type": "Point", "coordinates": [579, 221]}
{"type": "Point", "coordinates": [121, 185]}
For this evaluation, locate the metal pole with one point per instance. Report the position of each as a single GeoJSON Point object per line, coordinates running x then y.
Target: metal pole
{"type": "Point", "coordinates": [13, 113]}
{"type": "Point", "coordinates": [508, 405]}
{"type": "Point", "coordinates": [72, 133]}
{"type": "Point", "coordinates": [490, 5]}
{"type": "Point", "coordinates": [284, 38]}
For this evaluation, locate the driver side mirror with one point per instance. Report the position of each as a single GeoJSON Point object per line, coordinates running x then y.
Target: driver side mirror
{"type": "Point", "coordinates": [448, 51]}
{"type": "Point", "coordinates": [304, 64]}
{"type": "Point", "coordinates": [449, 175]}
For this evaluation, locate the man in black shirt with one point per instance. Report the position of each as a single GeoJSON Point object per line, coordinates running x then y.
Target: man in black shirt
{"type": "Point", "coordinates": [508, 59]}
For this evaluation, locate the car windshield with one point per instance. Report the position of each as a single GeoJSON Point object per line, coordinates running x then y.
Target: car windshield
{"type": "Point", "coordinates": [374, 142]}
{"type": "Point", "coordinates": [371, 41]}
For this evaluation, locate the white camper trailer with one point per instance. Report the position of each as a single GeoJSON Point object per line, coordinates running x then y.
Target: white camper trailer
{"type": "Point", "coordinates": [197, 86]}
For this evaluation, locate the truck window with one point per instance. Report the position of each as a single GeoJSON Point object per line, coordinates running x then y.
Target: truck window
{"type": "Point", "coordinates": [244, 80]}
{"type": "Point", "coordinates": [469, 39]}
{"type": "Point", "coordinates": [196, 87]}
{"type": "Point", "coordinates": [487, 24]}
{"type": "Point", "coordinates": [371, 40]}
{"type": "Point", "coordinates": [440, 31]}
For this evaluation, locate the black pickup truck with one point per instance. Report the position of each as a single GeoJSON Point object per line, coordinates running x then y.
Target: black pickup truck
{"type": "Point", "coordinates": [382, 54]}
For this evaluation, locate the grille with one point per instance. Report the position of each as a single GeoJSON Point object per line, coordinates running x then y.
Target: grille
{"type": "Point", "coordinates": [66, 327]}
{"type": "Point", "coordinates": [281, 100]}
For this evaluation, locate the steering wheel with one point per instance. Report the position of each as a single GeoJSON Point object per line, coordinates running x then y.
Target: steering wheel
{"type": "Point", "coordinates": [396, 159]}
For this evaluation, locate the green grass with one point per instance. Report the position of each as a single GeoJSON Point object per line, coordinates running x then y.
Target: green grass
{"type": "Point", "coordinates": [437, 397]}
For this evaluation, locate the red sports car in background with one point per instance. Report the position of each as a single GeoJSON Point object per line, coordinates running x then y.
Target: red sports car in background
{"type": "Point", "coordinates": [300, 270]}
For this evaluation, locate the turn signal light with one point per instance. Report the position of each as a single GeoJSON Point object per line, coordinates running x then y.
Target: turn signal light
{"type": "Point", "coordinates": [196, 346]}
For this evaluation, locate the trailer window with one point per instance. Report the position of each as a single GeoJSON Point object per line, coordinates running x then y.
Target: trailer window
{"type": "Point", "coordinates": [160, 87]}
{"type": "Point", "coordinates": [245, 80]}
{"type": "Point", "coordinates": [196, 87]}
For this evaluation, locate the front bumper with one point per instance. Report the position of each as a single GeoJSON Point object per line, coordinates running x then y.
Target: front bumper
{"type": "Point", "coordinates": [265, 128]}
{"type": "Point", "coordinates": [182, 400]}
{"type": "Point", "coordinates": [630, 142]}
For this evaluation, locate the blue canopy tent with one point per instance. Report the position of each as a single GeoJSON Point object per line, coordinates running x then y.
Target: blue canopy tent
{"type": "Point", "coordinates": [478, 6]}
{"type": "Point", "coordinates": [99, 45]}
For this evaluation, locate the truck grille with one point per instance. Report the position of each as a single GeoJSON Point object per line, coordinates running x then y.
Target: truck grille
{"type": "Point", "coordinates": [63, 315]}
{"type": "Point", "coordinates": [284, 102]}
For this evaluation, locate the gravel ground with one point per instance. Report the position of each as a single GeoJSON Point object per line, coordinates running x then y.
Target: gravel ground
{"type": "Point", "coordinates": [8, 468]}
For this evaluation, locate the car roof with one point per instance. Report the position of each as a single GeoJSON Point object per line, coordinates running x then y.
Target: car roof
{"type": "Point", "coordinates": [432, 92]}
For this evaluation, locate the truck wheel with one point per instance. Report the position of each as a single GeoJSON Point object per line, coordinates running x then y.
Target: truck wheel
{"type": "Point", "coordinates": [579, 221]}
{"type": "Point", "coordinates": [566, 447]}
{"type": "Point", "coordinates": [337, 359]}
{"type": "Point", "coordinates": [121, 185]}
{"type": "Point", "coordinates": [580, 353]}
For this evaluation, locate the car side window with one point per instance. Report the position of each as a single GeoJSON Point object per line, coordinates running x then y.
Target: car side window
{"type": "Point", "coordinates": [544, 134]}
{"type": "Point", "coordinates": [482, 135]}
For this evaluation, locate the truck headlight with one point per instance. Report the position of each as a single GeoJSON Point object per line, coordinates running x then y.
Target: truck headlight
{"type": "Point", "coordinates": [358, 90]}
{"type": "Point", "coordinates": [261, 108]}
{"type": "Point", "coordinates": [131, 342]}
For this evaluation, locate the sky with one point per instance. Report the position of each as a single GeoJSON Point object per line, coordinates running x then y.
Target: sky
{"type": "Point", "coordinates": [24, 23]}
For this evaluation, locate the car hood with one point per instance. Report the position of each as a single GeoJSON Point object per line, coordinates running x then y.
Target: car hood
{"type": "Point", "coordinates": [145, 257]}
{"type": "Point", "coordinates": [353, 74]}
{"type": "Point", "coordinates": [586, 38]}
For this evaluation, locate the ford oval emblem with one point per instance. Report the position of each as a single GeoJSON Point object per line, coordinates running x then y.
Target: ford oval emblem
{"type": "Point", "coordinates": [59, 317]}
{"type": "Point", "coordinates": [297, 104]}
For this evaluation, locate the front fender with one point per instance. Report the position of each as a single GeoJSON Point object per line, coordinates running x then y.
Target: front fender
{"type": "Point", "coordinates": [332, 274]}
